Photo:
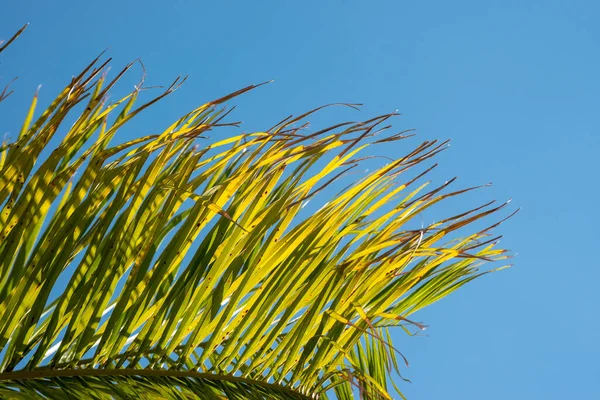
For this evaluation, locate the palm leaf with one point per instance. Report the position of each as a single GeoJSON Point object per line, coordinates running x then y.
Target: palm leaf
{"type": "Point", "coordinates": [164, 268]}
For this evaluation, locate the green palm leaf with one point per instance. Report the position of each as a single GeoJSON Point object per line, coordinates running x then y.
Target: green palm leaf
{"type": "Point", "coordinates": [189, 270]}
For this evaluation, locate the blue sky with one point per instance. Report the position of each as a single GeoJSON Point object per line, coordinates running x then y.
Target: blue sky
{"type": "Point", "coordinates": [514, 84]}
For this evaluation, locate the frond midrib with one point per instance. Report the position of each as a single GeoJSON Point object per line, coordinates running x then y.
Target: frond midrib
{"type": "Point", "coordinates": [49, 373]}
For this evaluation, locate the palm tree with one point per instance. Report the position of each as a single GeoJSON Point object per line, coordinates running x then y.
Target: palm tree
{"type": "Point", "coordinates": [164, 268]}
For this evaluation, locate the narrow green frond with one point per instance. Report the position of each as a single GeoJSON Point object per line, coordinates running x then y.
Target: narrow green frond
{"type": "Point", "coordinates": [172, 267]}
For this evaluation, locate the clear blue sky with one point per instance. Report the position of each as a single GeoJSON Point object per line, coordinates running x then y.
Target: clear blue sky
{"type": "Point", "coordinates": [515, 84]}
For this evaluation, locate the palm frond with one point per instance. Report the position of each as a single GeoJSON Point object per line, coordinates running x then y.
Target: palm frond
{"type": "Point", "coordinates": [165, 268]}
